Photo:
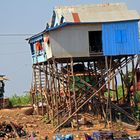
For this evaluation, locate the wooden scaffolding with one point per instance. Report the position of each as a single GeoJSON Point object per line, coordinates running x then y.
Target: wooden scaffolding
{"type": "Point", "coordinates": [67, 87]}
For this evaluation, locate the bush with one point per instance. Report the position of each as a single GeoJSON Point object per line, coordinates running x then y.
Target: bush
{"type": "Point", "coordinates": [138, 96]}
{"type": "Point", "coordinates": [16, 100]}
{"type": "Point", "coordinates": [120, 92]}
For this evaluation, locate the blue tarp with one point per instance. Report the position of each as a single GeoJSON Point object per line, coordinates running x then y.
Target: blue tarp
{"type": "Point", "coordinates": [63, 137]}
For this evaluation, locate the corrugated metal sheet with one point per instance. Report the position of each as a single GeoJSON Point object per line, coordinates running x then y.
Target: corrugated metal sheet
{"type": "Point", "coordinates": [93, 13]}
{"type": "Point", "coordinates": [76, 17]}
{"type": "Point", "coordinates": [97, 13]}
{"type": "Point", "coordinates": [120, 38]}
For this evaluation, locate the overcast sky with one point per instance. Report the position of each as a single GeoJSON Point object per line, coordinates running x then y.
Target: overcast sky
{"type": "Point", "coordinates": [28, 17]}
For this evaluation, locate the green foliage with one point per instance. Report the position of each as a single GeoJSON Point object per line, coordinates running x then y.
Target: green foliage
{"type": "Point", "coordinates": [120, 92]}
{"type": "Point", "coordinates": [138, 96]}
{"type": "Point", "coordinates": [45, 118]}
{"type": "Point", "coordinates": [16, 100]}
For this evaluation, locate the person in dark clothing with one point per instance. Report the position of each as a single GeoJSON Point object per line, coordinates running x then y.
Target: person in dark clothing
{"type": "Point", "coordinates": [2, 89]}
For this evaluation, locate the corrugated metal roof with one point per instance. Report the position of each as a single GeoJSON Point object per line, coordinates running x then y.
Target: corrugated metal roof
{"type": "Point", "coordinates": [97, 13]}
{"type": "Point", "coordinates": [92, 13]}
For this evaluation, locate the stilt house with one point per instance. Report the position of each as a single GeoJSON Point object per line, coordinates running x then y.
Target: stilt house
{"type": "Point", "coordinates": [77, 58]}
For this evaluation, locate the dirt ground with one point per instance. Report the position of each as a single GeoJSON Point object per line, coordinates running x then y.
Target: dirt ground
{"type": "Point", "coordinates": [35, 123]}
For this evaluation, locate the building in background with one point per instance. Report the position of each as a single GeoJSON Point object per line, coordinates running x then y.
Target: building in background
{"type": "Point", "coordinates": [2, 90]}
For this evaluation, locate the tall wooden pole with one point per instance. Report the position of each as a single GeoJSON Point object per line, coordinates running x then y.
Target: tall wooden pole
{"type": "Point", "coordinates": [108, 106]}
{"type": "Point", "coordinates": [51, 92]}
{"type": "Point", "coordinates": [40, 89]}
{"type": "Point", "coordinates": [134, 83]}
{"type": "Point", "coordinates": [116, 88]}
{"type": "Point", "coordinates": [69, 92]}
{"type": "Point", "coordinates": [75, 102]}
{"type": "Point", "coordinates": [55, 73]}
{"type": "Point", "coordinates": [35, 85]}
{"type": "Point", "coordinates": [46, 88]}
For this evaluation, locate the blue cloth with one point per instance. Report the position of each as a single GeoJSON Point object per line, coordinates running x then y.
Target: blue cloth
{"type": "Point", "coordinates": [63, 137]}
{"type": "Point", "coordinates": [96, 135]}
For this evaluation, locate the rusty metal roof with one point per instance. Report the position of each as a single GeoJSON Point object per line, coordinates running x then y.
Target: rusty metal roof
{"type": "Point", "coordinates": [96, 13]}
{"type": "Point", "coordinates": [92, 13]}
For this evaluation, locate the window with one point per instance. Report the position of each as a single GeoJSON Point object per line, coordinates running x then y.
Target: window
{"type": "Point", "coordinates": [32, 49]}
{"type": "Point", "coordinates": [95, 41]}
{"type": "Point", "coordinates": [39, 48]}
{"type": "Point", "coordinates": [120, 36]}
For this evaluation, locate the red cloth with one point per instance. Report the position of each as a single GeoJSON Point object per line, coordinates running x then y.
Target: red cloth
{"type": "Point", "coordinates": [132, 88]}
{"type": "Point", "coordinates": [46, 39]}
{"type": "Point", "coordinates": [38, 46]}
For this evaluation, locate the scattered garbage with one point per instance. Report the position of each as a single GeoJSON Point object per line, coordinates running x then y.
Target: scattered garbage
{"type": "Point", "coordinates": [64, 137]}
{"type": "Point", "coordinates": [88, 137]}
{"type": "Point", "coordinates": [33, 136]}
{"type": "Point", "coordinates": [103, 135]}
{"type": "Point", "coordinates": [11, 130]}
{"type": "Point", "coordinates": [107, 135]}
{"type": "Point", "coordinates": [134, 137]}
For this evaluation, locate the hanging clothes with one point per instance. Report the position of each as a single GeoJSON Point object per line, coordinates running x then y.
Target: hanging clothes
{"type": "Point", "coordinates": [38, 46]}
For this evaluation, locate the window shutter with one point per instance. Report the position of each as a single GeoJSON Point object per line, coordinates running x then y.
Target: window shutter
{"type": "Point", "coordinates": [120, 36]}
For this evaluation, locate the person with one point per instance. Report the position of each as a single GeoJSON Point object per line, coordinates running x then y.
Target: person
{"type": "Point", "coordinates": [2, 89]}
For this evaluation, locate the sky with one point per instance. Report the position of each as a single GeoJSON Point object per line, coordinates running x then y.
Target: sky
{"type": "Point", "coordinates": [29, 17]}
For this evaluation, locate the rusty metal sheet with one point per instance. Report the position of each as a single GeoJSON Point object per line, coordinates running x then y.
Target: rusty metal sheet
{"type": "Point", "coordinates": [97, 13]}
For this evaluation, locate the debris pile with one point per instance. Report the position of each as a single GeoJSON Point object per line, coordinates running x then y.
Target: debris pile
{"type": "Point", "coordinates": [11, 130]}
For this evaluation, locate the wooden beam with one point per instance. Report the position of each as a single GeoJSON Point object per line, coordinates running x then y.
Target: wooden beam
{"type": "Point", "coordinates": [93, 95]}
{"type": "Point", "coordinates": [74, 92]}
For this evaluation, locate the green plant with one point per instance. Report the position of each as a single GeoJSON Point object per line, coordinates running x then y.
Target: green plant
{"type": "Point", "coordinates": [138, 96]}
{"type": "Point", "coordinates": [120, 92]}
{"type": "Point", "coordinates": [16, 100]}
{"type": "Point", "coordinates": [45, 118]}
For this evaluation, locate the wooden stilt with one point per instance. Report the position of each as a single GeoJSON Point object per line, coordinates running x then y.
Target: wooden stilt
{"type": "Point", "coordinates": [55, 80]}
{"type": "Point", "coordinates": [108, 106]}
{"type": "Point", "coordinates": [75, 102]}
{"type": "Point", "coordinates": [69, 92]}
{"type": "Point", "coordinates": [32, 90]}
{"type": "Point", "coordinates": [113, 88]}
{"type": "Point", "coordinates": [35, 89]}
{"type": "Point", "coordinates": [127, 82]}
{"type": "Point", "coordinates": [51, 92]}
{"type": "Point", "coordinates": [40, 90]}
{"type": "Point", "coordinates": [45, 69]}
{"type": "Point", "coordinates": [122, 86]}
{"type": "Point", "coordinates": [116, 88]}
{"type": "Point", "coordinates": [110, 110]}
{"type": "Point", "coordinates": [134, 84]}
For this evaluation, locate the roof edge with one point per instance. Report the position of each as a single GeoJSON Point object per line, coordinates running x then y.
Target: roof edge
{"type": "Point", "coordinates": [72, 23]}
